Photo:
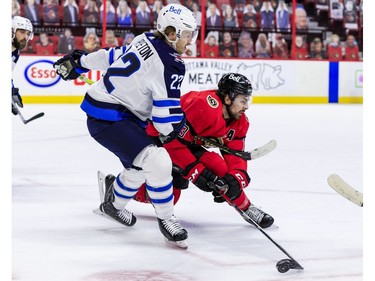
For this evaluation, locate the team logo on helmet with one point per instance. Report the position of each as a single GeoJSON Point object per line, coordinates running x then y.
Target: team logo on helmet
{"type": "Point", "coordinates": [212, 101]}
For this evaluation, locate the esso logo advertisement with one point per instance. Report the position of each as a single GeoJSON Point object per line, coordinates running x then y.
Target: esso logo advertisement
{"type": "Point", "coordinates": [41, 73]}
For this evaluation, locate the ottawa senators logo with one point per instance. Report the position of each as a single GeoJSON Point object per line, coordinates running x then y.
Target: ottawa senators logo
{"type": "Point", "coordinates": [212, 102]}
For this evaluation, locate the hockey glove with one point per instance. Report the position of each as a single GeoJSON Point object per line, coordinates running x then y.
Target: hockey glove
{"type": "Point", "coordinates": [217, 197]}
{"type": "Point", "coordinates": [201, 177]}
{"type": "Point", "coordinates": [229, 186]}
{"type": "Point", "coordinates": [68, 68]}
{"type": "Point", "coordinates": [17, 99]}
{"type": "Point", "coordinates": [174, 134]}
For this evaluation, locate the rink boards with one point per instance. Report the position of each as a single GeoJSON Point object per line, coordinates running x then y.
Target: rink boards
{"type": "Point", "coordinates": [274, 81]}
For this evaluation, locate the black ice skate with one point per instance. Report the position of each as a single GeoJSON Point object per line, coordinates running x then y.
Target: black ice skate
{"type": "Point", "coordinates": [263, 219]}
{"type": "Point", "coordinates": [122, 216]}
{"type": "Point", "coordinates": [173, 232]}
{"type": "Point", "coordinates": [107, 197]}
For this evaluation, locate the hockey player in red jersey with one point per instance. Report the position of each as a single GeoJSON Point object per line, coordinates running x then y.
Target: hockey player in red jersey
{"type": "Point", "coordinates": [219, 115]}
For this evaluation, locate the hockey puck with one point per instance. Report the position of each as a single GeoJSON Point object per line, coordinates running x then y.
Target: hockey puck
{"type": "Point", "coordinates": [283, 265]}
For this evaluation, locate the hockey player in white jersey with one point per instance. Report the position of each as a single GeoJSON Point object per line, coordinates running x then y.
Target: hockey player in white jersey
{"type": "Point", "coordinates": [22, 32]}
{"type": "Point", "coordinates": [141, 82]}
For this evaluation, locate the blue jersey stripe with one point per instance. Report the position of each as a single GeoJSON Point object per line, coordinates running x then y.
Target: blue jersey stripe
{"type": "Point", "coordinates": [166, 103]}
{"type": "Point", "coordinates": [101, 113]}
{"type": "Point", "coordinates": [169, 119]}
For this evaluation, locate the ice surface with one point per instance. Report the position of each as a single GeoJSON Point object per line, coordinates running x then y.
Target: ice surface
{"type": "Point", "coordinates": [56, 236]}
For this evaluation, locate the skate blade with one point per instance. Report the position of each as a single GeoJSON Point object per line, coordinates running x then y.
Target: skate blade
{"type": "Point", "coordinates": [100, 213]}
{"type": "Point", "coordinates": [101, 178]}
{"type": "Point", "coordinates": [179, 244]}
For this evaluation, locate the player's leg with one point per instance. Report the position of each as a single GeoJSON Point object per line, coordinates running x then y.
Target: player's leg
{"type": "Point", "coordinates": [126, 139]}
{"type": "Point", "coordinates": [157, 166]}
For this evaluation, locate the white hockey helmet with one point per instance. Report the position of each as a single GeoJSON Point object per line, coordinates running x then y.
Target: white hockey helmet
{"type": "Point", "coordinates": [22, 23]}
{"type": "Point", "coordinates": [181, 18]}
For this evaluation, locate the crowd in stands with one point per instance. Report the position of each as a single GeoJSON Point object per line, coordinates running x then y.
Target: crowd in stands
{"type": "Point", "coordinates": [326, 29]}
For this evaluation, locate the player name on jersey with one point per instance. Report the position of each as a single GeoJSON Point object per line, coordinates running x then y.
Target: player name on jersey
{"type": "Point", "coordinates": [144, 49]}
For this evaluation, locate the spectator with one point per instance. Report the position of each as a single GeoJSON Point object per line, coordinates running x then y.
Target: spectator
{"type": "Point", "coordinates": [282, 16]}
{"type": "Point", "coordinates": [317, 51]}
{"type": "Point", "coordinates": [90, 13]}
{"type": "Point", "coordinates": [197, 13]}
{"type": "Point", "coordinates": [227, 47]}
{"type": "Point", "coordinates": [262, 47]}
{"type": "Point", "coordinates": [16, 8]}
{"type": "Point", "coordinates": [334, 49]}
{"type": "Point", "coordinates": [91, 42]}
{"type": "Point", "coordinates": [110, 39]}
{"type": "Point", "coordinates": [213, 16]}
{"type": "Point", "coordinates": [267, 15]}
{"type": "Point", "coordinates": [280, 47]}
{"type": "Point", "coordinates": [124, 14]}
{"type": "Point", "coordinates": [301, 50]}
{"type": "Point", "coordinates": [223, 4]}
{"type": "Point", "coordinates": [230, 17]}
{"type": "Point", "coordinates": [336, 10]}
{"type": "Point", "coordinates": [128, 38]}
{"type": "Point", "coordinates": [350, 15]}
{"type": "Point", "coordinates": [66, 42]}
{"type": "Point", "coordinates": [351, 49]}
{"type": "Point", "coordinates": [211, 45]}
{"type": "Point", "coordinates": [301, 19]}
{"type": "Point", "coordinates": [32, 12]}
{"type": "Point", "coordinates": [51, 12]}
{"type": "Point", "coordinates": [70, 13]}
{"type": "Point", "coordinates": [245, 46]}
{"type": "Point", "coordinates": [44, 46]}
{"type": "Point", "coordinates": [322, 5]}
{"type": "Point", "coordinates": [189, 4]}
{"type": "Point", "coordinates": [250, 17]}
{"type": "Point", "coordinates": [239, 5]}
{"type": "Point", "coordinates": [110, 13]}
{"type": "Point", "coordinates": [143, 14]}
{"type": "Point", "coordinates": [257, 5]}
{"type": "Point", "coordinates": [158, 5]}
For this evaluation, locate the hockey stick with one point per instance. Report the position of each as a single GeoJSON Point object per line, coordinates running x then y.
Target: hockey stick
{"type": "Point", "coordinates": [344, 189]}
{"type": "Point", "coordinates": [247, 155]}
{"type": "Point", "coordinates": [282, 265]}
{"type": "Point", "coordinates": [251, 155]}
{"type": "Point", "coordinates": [25, 121]}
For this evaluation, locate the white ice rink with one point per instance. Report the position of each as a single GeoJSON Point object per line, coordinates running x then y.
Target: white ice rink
{"type": "Point", "coordinates": [56, 236]}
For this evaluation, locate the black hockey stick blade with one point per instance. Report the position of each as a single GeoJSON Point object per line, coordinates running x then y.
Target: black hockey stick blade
{"type": "Point", "coordinates": [41, 114]}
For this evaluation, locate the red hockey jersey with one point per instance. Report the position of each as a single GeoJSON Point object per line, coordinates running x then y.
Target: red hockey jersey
{"type": "Point", "coordinates": [204, 114]}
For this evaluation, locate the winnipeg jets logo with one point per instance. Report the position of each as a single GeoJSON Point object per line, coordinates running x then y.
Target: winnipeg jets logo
{"type": "Point", "coordinates": [212, 101]}
{"type": "Point", "coordinates": [177, 57]}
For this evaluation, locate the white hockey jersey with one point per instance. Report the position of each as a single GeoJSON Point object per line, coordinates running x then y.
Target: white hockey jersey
{"type": "Point", "coordinates": [15, 58]}
{"type": "Point", "coordinates": [141, 80]}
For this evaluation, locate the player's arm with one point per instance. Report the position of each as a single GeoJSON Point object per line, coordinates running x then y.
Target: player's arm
{"type": "Point", "coordinates": [237, 177]}
{"type": "Point", "coordinates": [167, 115]}
{"type": "Point", "coordinates": [71, 66]}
